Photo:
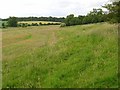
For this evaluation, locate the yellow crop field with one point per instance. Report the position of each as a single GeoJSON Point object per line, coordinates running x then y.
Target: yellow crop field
{"type": "Point", "coordinates": [43, 22]}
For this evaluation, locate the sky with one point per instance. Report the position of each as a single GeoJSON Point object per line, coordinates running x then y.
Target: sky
{"type": "Point", "coordinates": [55, 8]}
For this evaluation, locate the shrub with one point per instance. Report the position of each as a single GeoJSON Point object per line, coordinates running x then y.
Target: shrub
{"type": "Point", "coordinates": [3, 25]}
{"type": "Point", "coordinates": [48, 23]}
{"type": "Point", "coordinates": [19, 25]}
{"type": "Point", "coordinates": [29, 25]}
{"type": "Point", "coordinates": [62, 25]}
{"type": "Point", "coordinates": [35, 24]}
{"type": "Point", "coordinates": [40, 23]}
{"type": "Point", "coordinates": [12, 22]}
{"type": "Point", "coordinates": [24, 25]}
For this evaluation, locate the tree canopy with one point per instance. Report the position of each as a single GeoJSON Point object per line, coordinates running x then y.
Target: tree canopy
{"type": "Point", "coordinates": [114, 9]}
{"type": "Point", "coordinates": [95, 16]}
{"type": "Point", "coordinates": [12, 22]}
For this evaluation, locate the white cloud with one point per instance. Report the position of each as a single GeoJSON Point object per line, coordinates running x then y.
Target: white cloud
{"type": "Point", "coordinates": [59, 8]}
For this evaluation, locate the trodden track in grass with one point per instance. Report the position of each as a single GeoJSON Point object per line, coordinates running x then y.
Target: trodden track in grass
{"type": "Point", "coordinates": [83, 56]}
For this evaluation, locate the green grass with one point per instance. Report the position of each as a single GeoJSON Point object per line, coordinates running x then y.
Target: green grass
{"type": "Point", "coordinates": [83, 56]}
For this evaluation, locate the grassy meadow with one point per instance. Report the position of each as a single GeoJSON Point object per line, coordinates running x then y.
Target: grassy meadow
{"type": "Point", "coordinates": [83, 56]}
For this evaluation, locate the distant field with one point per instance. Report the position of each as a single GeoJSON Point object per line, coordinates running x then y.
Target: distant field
{"type": "Point", "coordinates": [84, 56]}
{"type": "Point", "coordinates": [29, 22]}
{"type": "Point", "coordinates": [43, 22]}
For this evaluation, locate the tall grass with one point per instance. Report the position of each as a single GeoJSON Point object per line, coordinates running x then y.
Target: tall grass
{"type": "Point", "coordinates": [51, 57]}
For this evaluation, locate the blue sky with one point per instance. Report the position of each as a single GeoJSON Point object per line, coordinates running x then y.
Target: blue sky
{"type": "Point", "coordinates": [57, 8]}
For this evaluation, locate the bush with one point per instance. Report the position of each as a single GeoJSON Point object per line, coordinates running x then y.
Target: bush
{"type": "Point", "coordinates": [24, 25]}
{"type": "Point", "coordinates": [40, 23]}
{"type": "Point", "coordinates": [29, 25]}
{"type": "Point", "coordinates": [12, 22]}
{"type": "Point", "coordinates": [35, 24]}
{"type": "Point", "coordinates": [62, 25]}
{"type": "Point", "coordinates": [3, 25]}
{"type": "Point", "coordinates": [19, 25]}
{"type": "Point", "coordinates": [56, 23]}
{"type": "Point", "coordinates": [45, 24]}
{"type": "Point", "coordinates": [48, 23]}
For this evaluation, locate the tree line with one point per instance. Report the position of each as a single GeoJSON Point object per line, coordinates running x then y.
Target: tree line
{"type": "Point", "coordinates": [96, 16]}
{"type": "Point", "coordinates": [54, 19]}
{"type": "Point", "coordinates": [13, 22]}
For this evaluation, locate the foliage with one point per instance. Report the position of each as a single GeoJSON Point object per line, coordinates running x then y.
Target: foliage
{"type": "Point", "coordinates": [12, 22]}
{"type": "Point", "coordinates": [114, 9]}
{"type": "Point", "coordinates": [3, 25]}
{"type": "Point", "coordinates": [40, 23]}
{"type": "Point", "coordinates": [54, 19]}
{"type": "Point", "coordinates": [95, 16]}
{"type": "Point", "coordinates": [62, 25]}
{"type": "Point", "coordinates": [36, 23]}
